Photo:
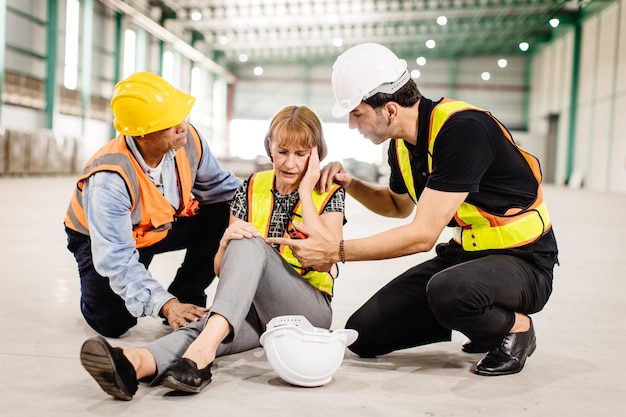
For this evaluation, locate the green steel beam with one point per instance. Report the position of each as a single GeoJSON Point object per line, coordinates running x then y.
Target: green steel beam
{"type": "Point", "coordinates": [161, 51]}
{"type": "Point", "coordinates": [196, 37]}
{"type": "Point", "coordinates": [117, 58]}
{"type": "Point", "coordinates": [87, 58]}
{"type": "Point", "coordinates": [164, 16]}
{"type": "Point", "coordinates": [573, 106]}
{"type": "Point", "coordinates": [51, 61]}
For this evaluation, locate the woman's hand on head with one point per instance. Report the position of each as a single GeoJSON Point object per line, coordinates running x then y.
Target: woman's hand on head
{"type": "Point", "coordinates": [312, 174]}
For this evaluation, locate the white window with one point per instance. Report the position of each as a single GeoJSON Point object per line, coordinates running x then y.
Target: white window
{"type": "Point", "coordinates": [70, 72]}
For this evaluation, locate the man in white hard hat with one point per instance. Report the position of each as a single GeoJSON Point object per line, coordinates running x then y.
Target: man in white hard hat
{"type": "Point", "coordinates": [462, 169]}
{"type": "Point", "coordinates": [155, 188]}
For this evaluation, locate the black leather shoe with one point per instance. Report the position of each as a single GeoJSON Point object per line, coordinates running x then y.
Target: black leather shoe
{"type": "Point", "coordinates": [109, 367]}
{"type": "Point", "coordinates": [475, 347]}
{"type": "Point", "coordinates": [185, 376]}
{"type": "Point", "coordinates": [509, 357]}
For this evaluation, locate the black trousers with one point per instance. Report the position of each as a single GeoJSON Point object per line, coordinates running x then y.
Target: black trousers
{"type": "Point", "coordinates": [474, 293]}
{"type": "Point", "coordinates": [199, 235]}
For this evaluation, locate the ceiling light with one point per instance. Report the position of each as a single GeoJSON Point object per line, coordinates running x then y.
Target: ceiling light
{"type": "Point", "coordinates": [337, 42]}
{"type": "Point", "coordinates": [442, 20]}
{"type": "Point", "coordinates": [223, 40]}
{"type": "Point", "coordinates": [243, 58]}
{"type": "Point", "coordinates": [523, 46]}
{"type": "Point", "coordinates": [554, 22]}
{"type": "Point", "coordinates": [415, 74]}
{"type": "Point", "coordinates": [502, 63]}
{"type": "Point", "coordinates": [421, 61]}
{"type": "Point", "coordinates": [196, 15]}
{"type": "Point", "coordinates": [430, 44]}
{"type": "Point", "coordinates": [485, 76]}
{"type": "Point", "coordinates": [258, 71]}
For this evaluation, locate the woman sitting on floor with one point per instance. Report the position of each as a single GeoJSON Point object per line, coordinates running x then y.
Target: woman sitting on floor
{"type": "Point", "coordinates": [256, 280]}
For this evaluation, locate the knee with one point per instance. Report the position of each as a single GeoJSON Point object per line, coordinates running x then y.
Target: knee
{"type": "Point", "coordinates": [355, 322]}
{"type": "Point", "coordinates": [453, 298]}
{"type": "Point", "coordinates": [366, 346]}
{"type": "Point", "coordinates": [362, 346]}
{"type": "Point", "coordinates": [444, 293]}
{"type": "Point", "coordinates": [106, 329]}
{"type": "Point", "coordinates": [246, 248]}
{"type": "Point", "coordinates": [246, 244]}
{"type": "Point", "coordinates": [108, 326]}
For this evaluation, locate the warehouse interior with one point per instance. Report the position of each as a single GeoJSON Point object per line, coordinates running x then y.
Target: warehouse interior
{"type": "Point", "coordinates": [554, 72]}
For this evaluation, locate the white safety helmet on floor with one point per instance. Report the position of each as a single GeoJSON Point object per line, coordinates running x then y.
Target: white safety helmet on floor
{"type": "Point", "coordinates": [302, 354]}
{"type": "Point", "coordinates": [362, 71]}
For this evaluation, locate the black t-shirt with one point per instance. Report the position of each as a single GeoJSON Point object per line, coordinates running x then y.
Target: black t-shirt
{"type": "Point", "coordinates": [471, 154]}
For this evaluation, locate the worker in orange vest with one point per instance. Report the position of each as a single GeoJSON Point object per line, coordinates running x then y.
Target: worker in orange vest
{"type": "Point", "coordinates": [155, 188]}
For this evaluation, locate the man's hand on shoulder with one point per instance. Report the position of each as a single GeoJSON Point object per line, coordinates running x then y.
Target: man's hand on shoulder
{"type": "Point", "coordinates": [333, 173]}
{"type": "Point", "coordinates": [180, 314]}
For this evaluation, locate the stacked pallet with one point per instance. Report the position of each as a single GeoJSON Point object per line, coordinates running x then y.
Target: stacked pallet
{"type": "Point", "coordinates": [39, 152]}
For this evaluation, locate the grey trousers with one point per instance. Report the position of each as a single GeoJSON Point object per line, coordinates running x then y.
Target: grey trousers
{"type": "Point", "coordinates": [255, 285]}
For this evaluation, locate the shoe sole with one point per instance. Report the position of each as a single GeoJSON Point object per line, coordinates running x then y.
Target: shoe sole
{"type": "Point", "coordinates": [95, 358]}
{"type": "Point", "coordinates": [531, 350]}
{"type": "Point", "coordinates": [174, 384]}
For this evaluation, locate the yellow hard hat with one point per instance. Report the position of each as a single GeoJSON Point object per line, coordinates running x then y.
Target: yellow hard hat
{"type": "Point", "coordinates": [144, 103]}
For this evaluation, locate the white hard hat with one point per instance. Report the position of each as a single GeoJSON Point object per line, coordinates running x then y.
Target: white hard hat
{"type": "Point", "coordinates": [302, 354]}
{"type": "Point", "coordinates": [362, 71]}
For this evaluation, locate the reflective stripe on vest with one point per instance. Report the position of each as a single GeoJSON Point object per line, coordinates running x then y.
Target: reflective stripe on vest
{"type": "Point", "coordinates": [151, 214]}
{"type": "Point", "coordinates": [404, 162]}
{"type": "Point", "coordinates": [479, 229]}
{"type": "Point", "coordinates": [260, 208]}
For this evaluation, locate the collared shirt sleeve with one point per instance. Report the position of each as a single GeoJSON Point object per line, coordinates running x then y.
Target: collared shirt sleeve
{"type": "Point", "coordinates": [213, 183]}
{"type": "Point", "coordinates": [107, 207]}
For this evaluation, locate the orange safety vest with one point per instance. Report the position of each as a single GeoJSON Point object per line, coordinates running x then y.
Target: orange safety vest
{"type": "Point", "coordinates": [151, 214]}
{"type": "Point", "coordinates": [260, 207]}
{"type": "Point", "coordinates": [478, 229]}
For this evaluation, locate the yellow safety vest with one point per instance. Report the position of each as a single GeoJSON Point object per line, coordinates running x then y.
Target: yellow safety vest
{"type": "Point", "coordinates": [260, 207]}
{"type": "Point", "coordinates": [151, 214]}
{"type": "Point", "coordinates": [478, 229]}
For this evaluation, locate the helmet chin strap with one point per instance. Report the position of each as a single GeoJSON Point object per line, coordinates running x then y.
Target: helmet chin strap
{"type": "Point", "coordinates": [390, 88]}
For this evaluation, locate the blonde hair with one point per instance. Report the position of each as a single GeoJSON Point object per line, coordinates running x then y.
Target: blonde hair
{"type": "Point", "coordinates": [296, 126]}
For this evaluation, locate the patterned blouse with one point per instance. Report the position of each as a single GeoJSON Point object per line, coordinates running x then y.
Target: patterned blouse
{"type": "Point", "coordinates": [283, 207]}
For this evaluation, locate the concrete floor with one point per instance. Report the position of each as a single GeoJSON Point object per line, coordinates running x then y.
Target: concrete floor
{"type": "Point", "coordinates": [577, 370]}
